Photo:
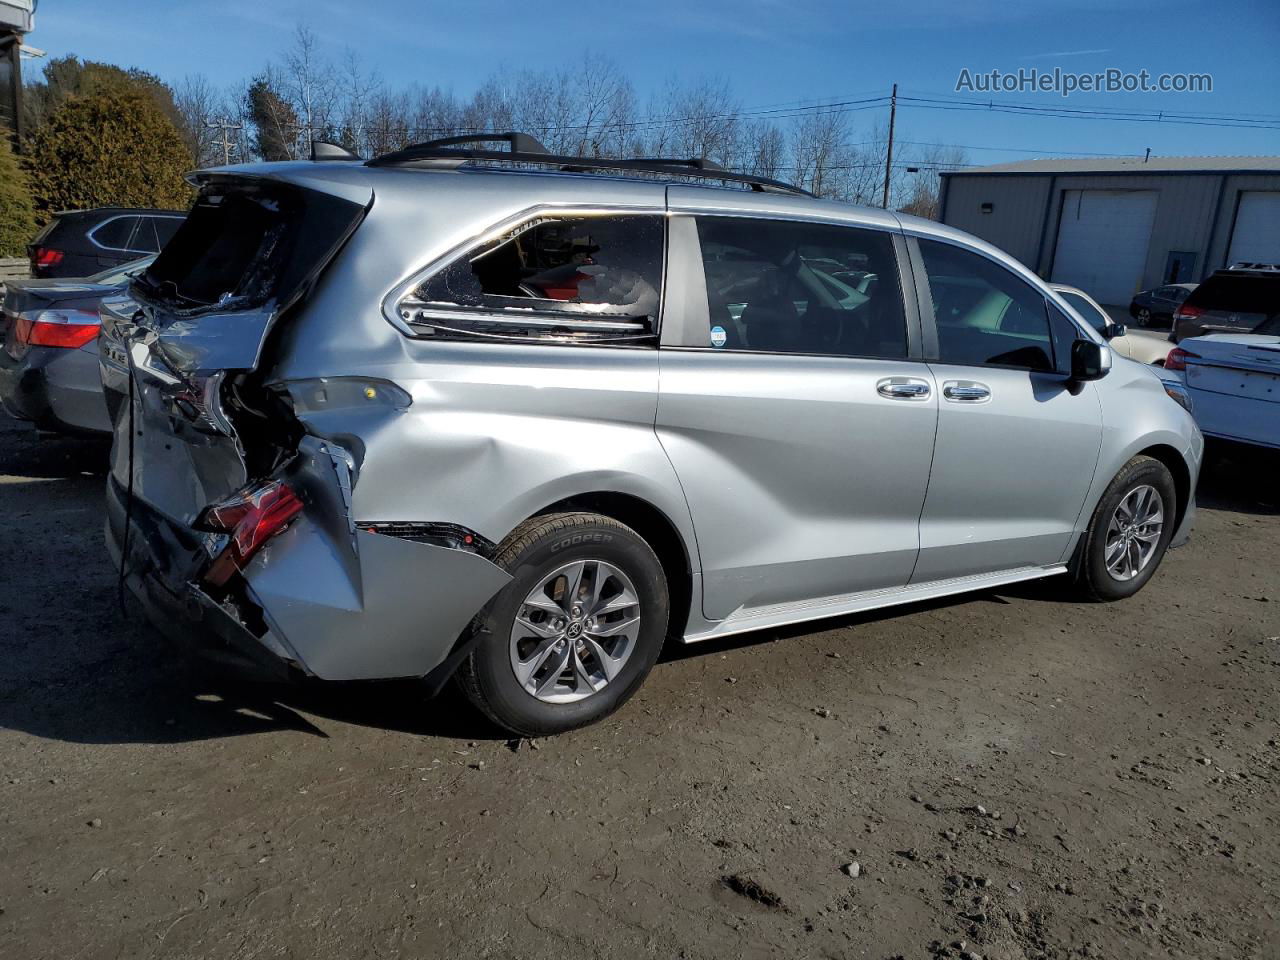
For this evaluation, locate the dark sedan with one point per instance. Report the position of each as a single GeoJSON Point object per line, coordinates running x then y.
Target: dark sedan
{"type": "Point", "coordinates": [1159, 304]}
{"type": "Point", "coordinates": [77, 243]}
{"type": "Point", "coordinates": [49, 363]}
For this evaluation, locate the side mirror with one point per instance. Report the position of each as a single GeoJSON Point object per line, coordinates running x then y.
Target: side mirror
{"type": "Point", "coordinates": [1113, 330]}
{"type": "Point", "coordinates": [1089, 360]}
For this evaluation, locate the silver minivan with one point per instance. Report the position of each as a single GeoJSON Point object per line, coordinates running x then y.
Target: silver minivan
{"type": "Point", "coordinates": [521, 419]}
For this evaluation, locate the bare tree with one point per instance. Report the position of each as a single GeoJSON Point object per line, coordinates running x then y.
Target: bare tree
{"type": "Point", "coordinates": [310, 84]}
{"type": "Point", "coordinates": [921, 187]}
{"type": "Point", "coordinates": [587, 108]}
{"type": "Point", "coordinates": [764, 150]}
{"type": "Point", "coordinates": [434, 113]}
{"type": "Point", "coordinates": [358, 87]}
{"type": "Point", "coordinates": [607, 106]}
{"type": "Point", "coordinates": [197, 104]}
{"type": "Point", "coordinates": [697, 120]}
{"type": "Point", "coordinates": [823, 159]}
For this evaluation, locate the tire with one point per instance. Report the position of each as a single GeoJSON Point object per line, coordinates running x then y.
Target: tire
{"type": "Point", "coordinates": [1097, 580]}
{"type": "Point", "coordinates": [1143, 317]}
{"type": "Point", "coordinates": [554, 546]}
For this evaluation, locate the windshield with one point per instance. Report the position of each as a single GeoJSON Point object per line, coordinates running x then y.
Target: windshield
{"type": "Point", "coordinates": [114, 276]}
{"type": "Point", "coordinates": [1092, 315]}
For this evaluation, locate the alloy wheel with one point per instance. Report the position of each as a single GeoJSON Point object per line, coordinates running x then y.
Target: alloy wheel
{"type": "Point", "coordinates": [575, 631]}
{"type": "Point", "coordinates": [1133, 535]}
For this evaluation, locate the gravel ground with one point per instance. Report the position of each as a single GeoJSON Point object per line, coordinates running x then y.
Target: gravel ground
{"type": "Point", "coordinates": [1014, 774]}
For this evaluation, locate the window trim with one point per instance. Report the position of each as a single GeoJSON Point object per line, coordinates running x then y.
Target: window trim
{"type": "Point", "coordinates": [402, 291]}
{"type": "Point", "coordinates": [93, 238]}
{"type": "Point", "coordinates": [687, 287]}
{"type": "Point", "coordinates": [90, 235]}
{"type": "Point", "coordinates": [929, 318]}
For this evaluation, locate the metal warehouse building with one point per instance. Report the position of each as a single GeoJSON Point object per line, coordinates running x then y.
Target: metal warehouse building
{"type": "Point", "coordinates": [1113, 226]}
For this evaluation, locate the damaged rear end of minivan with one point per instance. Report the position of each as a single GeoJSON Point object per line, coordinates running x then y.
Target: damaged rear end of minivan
{"type": "Point", "coordinates": [229, 499]}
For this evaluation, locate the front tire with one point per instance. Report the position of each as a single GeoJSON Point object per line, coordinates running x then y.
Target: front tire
{"type": "Point", "coordinates": [575, 632]}
{"type": "Point", "coordinates": [1129, 532]}
{"type": "Point", "coordinates": [1144, 317]}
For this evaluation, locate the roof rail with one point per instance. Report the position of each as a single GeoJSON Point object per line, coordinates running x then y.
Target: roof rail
{"type": "Point", "coordinates": [526, 149]}
{"type": "Point", "coordinates": [519, 142]}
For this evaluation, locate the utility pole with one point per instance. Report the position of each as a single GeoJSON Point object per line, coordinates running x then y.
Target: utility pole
{"type": "Point", "coordinates": [224, 126]}
{"type": "Point", "coordinates": [888, 157]}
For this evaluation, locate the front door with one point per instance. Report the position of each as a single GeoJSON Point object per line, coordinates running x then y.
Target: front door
{"type": "Point", "coordinates": [791, 406]}
{"type": "Point", "coordinates": [1017, 445]}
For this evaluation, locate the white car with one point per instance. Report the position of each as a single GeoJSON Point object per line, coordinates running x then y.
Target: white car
{"type": "Point", "coordinates": [1232, 383]}
{"type": "Point", "coordinates": [1138, 346]}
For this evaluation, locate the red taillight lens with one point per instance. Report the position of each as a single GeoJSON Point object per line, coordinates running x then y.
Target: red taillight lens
{"type": "Point", "coordinates": [47, 257]}
{"type": "Point", "coordinates": [252, 517]}
{"type": "Point", "coordinates": [1186, 312]}
{"type": "Point", "coordinates": [57, 328]}
{"type": "Point", "coordinates": [1177, 359]}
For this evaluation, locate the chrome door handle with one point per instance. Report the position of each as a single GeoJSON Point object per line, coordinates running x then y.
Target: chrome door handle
{"type": "Point", "coordinates": [903, 388]}
{"type": "Point", "coordinates": [966, 391]}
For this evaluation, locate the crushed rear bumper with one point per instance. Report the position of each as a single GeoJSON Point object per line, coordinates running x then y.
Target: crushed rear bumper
{"type": "Point", "coordinates": [320, 599]}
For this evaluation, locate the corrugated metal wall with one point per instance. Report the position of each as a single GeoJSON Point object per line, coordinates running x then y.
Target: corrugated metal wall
{"type": "Point", "coordinates": [1195, 212]}
{"type": "Point", "coordinates": [1017, 211]}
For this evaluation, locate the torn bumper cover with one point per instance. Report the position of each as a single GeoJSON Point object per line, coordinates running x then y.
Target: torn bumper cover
{"type": "Point", "coordinates": [321, 597]}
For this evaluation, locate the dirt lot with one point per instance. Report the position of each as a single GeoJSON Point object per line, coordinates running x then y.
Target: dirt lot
{"type": "Point", "coordinates": [1032, 776]}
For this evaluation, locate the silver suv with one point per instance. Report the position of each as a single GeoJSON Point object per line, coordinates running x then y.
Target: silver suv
{"type": "Point", "coordinates": [522, 418]}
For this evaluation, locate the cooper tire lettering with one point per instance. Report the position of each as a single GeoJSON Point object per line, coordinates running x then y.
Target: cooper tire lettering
{"type": "Point", "coordinates": [580, 538]}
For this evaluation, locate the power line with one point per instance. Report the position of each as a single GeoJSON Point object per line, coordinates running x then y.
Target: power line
{"type": "Point", "coordinates": [1193, 114]}
{"type": "Point", "coordinates": [1073, 113]}
{"type": "Point", "coordinates": [970, 146]}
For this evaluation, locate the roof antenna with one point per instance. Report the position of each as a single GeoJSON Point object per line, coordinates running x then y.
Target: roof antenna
{"type": "Point", "coordinates": [325, 150]}
{"type": "Point", "coordinates": [1148, 156]}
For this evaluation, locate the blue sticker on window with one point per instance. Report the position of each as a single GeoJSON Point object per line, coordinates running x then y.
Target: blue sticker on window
{"type": "Point", "coordinates": [719, 337]}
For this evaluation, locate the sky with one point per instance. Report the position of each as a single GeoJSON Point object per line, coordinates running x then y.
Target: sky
{"type": "Point", "coordinates": [772, 52]}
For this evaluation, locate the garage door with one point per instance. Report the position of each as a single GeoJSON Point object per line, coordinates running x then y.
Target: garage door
{"type": "Point", "coordinates": [1256, 237]}
{"type": "Point", "coordinates": [1103, 240]}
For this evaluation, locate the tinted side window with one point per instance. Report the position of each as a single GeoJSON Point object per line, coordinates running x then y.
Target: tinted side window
{"type": "Point", "coordinates": [114, 234]}
{"type": "Point", "coordinates": [144, 238]}
{"type": "Point", "coordinates": [572, 277]}
{"type": "Point", "coordinates": [165, 228]}
{"type": "Point", "coordinates": [985, 313]}
{"type": "Point", "coordinates": [787, 287]}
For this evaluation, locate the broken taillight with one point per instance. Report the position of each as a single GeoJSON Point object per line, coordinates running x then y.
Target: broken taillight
{"type": "Point", "coordinates": [252, 517]}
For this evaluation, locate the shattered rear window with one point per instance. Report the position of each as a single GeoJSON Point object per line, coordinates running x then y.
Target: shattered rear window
{"type": "Point", "coordinates": [245, 243]}
{"type": "Point", "coordinates": [223, 252]}
{"type": "Point", "coordinates": [569, 278]}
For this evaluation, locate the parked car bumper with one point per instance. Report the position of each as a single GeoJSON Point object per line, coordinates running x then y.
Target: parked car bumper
{"type": "Point", "coordinates": [56, 389]}
{"type": "Point", "coordinates": [1238, 419]}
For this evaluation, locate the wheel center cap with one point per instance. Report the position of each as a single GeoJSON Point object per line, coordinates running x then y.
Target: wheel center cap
{"type": "Point", "coordinates": [575, 630]}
